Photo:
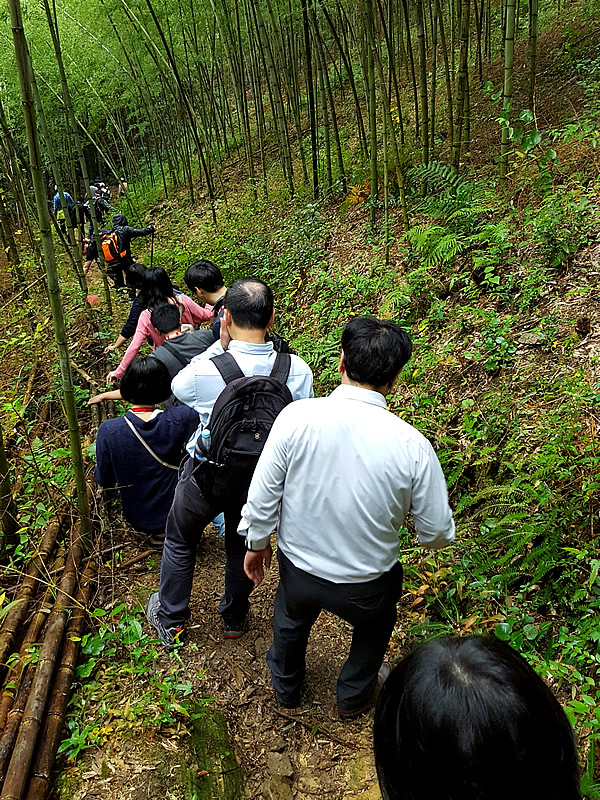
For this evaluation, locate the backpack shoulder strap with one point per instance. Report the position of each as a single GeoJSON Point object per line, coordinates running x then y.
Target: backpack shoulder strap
{"type": "Point", "coordinates": [281, 367]}
{"type": "Point", "coordinates": [174, 352]}
{"type": "Point", "coordinates": [148, 448]}
{"type": "Point", "coordinates": [227, 366]}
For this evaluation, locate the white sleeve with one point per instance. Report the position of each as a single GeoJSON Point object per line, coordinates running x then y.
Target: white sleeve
{"type": "Point", "coordinates": [429, 504]}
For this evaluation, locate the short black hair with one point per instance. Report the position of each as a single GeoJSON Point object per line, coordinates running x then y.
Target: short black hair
{"type": "Point", "coordinates": [250, 303]}
{"type": "Point", "coordinates": [469, 718]}
{"type": "Point", "coordinates": [134, 275]}
{"type": "Point", "coordinates": [165, 318]}
{"type": "Point", "coordinates": [146, 381]}
{"type": "Point", "coordinates": [375, 350]}
{"type": "Point", "coordinates": [205, 275]}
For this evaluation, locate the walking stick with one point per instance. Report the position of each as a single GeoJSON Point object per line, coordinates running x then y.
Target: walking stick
{"type": "Point", "coordinates": [152, 250]}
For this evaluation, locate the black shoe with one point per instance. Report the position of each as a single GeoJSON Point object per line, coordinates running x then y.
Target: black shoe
{"type": "Point", "coordinates": [233, 630]}
{"type": "Point", "coordinates": [170, 637]}
{"type": "Point", "coordinates": [347, 715]}
{"type": "Point", "coordinates": [287, 702]}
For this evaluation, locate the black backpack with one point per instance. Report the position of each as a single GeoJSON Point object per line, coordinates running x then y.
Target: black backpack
{"type": "Point", "coordinates": [240, 423]}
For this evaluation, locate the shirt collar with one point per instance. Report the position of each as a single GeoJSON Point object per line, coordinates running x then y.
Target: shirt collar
{"type": "Point", "coordinates": [249, 347]}
{"type": "Point", "coordinates": [347, 392]}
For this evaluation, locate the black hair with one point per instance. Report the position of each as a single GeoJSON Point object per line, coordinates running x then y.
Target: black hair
{"type": "Point", "coordinates": [250, 303]}
{"type": "Point", "coordinates": [146, 381]}
{"type": "Point", "coordinates": [203, 275]}
{"type": "Point", "coordinates": [134, 275]}
{"type": "Point", "coordinates": [165, 318]}
{"type": "Point", "coordinates": [156, 287]}
{"type": "Point", "coordinates": [375, 350]}
{"type": "Point", "coordinates": [469, 719]}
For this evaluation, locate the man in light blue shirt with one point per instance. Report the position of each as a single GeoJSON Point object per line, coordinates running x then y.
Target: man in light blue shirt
{"type": "Point", "coordinates": [248, 313]}
{"type": "Point", "coordinates": [339, 474]}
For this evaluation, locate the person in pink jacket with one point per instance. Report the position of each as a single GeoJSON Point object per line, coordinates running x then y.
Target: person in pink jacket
{"type": "Point", "coordinates": [156, 289]}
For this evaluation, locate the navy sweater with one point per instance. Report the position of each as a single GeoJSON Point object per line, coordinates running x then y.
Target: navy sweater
{"type": "Point", "coordinates": [146, 487]}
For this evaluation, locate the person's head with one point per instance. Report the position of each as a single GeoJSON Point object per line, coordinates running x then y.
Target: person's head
{"type": "Point", "coordinates": [146, 381]}
{"type": "Point", "coordinates": [156, 287]}
{"type": "Point", "coordinates": [374, 351]}
{"type": "Point", "coordinates": [469, 719]}
{"type": "Point", "coordinates": [165, 318]}
{"type": "Point", "coordinates": [134, 275]}
{"type": "Point", "coordinates": [204, 278]}
{"type": "Point", "coordinates": [249, 305]}
{"type": "Point", "coordinates": [119, 221]}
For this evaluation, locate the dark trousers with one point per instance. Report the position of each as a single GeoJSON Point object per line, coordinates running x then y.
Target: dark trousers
{"type": "Point", "coordinates": [189, 515]}
{"type": "Point", "coordinates": [370, 607]}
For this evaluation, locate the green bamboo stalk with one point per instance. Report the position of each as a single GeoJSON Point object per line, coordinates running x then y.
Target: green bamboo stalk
{"type": "Point", "coordinates": [58, 319]}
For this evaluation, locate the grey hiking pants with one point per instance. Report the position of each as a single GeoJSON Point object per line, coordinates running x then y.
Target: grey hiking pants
{"type": "Point", "coordinates": [370, 607]}
{"type": "Point", "coordinates": [189, 515]}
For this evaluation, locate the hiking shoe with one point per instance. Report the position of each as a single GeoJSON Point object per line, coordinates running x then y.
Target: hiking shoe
{"type": "Point", "coordinates": [347, 715]}
{"type": "Point", "coordinates": [168, 636]}
{"type": "Point", "coordinates": [287, 702]}
{"type": "Point", "coordinates": [233, 630]}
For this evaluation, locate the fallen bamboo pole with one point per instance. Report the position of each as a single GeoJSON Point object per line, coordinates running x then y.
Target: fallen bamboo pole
{"type": "Point", "coordinates": [52, 730]}
{"type": "Point", "coordinates": [13, 682]}
{"type": "Point", "coordinates": [17, 772]}
{"type": "Point", "coordinates": [14, 619]}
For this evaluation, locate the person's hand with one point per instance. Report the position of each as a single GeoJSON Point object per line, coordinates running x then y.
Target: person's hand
{"type": "Point", "coordinates": [110, 377]}
{"type": "Point", "coordinates": [109, 348]}
{"type": "Point", "coordinates": [152, 228]}
{"type": "Point", "coordinates": [256, 563]}
{"type": "Point", "coordinates": [224, 336]}
{"type": "Point", "coordinates": [97, 398]}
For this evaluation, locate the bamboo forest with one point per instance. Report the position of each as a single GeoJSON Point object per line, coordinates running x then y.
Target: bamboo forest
{"type": "Point", "coordinates": [285, 232]}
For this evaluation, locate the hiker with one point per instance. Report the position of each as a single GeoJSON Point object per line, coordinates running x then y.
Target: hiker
{"type": "Point", "coordinates": [469, 718]}
{"type": "Point", "coordinates": [133, 280]}
{"type": "Point", "coordinates": [346, 471]}
{"type": "Point", "coordinates": [123, 187]}
{"type": "Point", "coordinates": [205, 281]}
{"type": "Point", "coordinates": [157, 289]}
{"type": "Point", "coordinates": [116, 247]}
{"type": "Point", "coordinates": [140, 452]}
{"type": "Point", "coordinates": [200, 494]}
{"type": "Point", "coordinates": [101, 207]}
{"type": "Point", "coordinates": [59, 212]}
{"type": "Point", "coordinates": [179, 347]}
{"type": "Point", "coordinates": [177, 352]}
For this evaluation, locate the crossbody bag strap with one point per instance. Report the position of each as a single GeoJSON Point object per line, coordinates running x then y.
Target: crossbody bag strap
{"type": "Point", "coordinates": [173, 350]}
{"type": "Point", "coordinates": [148, 448]}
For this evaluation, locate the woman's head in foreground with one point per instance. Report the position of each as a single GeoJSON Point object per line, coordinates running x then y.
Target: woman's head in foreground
{"type": "Point", "coordinates": [469, 719]}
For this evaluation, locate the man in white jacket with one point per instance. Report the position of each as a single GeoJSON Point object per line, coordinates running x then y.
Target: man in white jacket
{"type": "Point", "coordinates": [340, 474]}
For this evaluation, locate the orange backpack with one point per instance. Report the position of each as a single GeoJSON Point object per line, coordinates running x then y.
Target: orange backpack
{"type": "Point", "coordinates": [110, 247]}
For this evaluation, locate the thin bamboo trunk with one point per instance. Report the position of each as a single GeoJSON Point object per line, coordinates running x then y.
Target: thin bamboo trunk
{"type": "Point", "coordinates": [424, 135]}
{"type": "Point", "coordinates": [58, 318]}
{"type": "Point", "coordinates": [533, 26]}
{"type": "Point", "coordinates": [311, 101]}
{"type": "Point", "coordinates": [370, 47]}
{"type": "Point", "coordinates": [461, 84]}
{"type": "Point", "coordinates": [509, 44]}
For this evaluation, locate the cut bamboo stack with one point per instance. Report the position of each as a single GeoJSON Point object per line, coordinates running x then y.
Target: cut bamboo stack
{"type": "Point", "coordinates": [39, 644]}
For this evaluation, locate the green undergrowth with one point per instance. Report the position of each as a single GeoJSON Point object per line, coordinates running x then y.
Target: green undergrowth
{"type": "Point", "coordinates": [499, 382]}
{"type": "Point", "coordinates": [125, 683]}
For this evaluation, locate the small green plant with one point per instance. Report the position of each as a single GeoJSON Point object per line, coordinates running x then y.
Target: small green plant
{"type": "Point", "coordinates": [121, 685]}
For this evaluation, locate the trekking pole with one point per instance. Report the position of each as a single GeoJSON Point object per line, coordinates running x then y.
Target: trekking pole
{"type": "Point", "coordinates": [152, 250]}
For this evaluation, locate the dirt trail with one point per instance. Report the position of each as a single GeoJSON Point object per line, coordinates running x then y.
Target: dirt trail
{"type": "Point", "coordinates": [304, 753]}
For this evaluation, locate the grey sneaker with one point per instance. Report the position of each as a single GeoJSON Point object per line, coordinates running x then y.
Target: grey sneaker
{"type": "Point", "coordinates": [168, 636]}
